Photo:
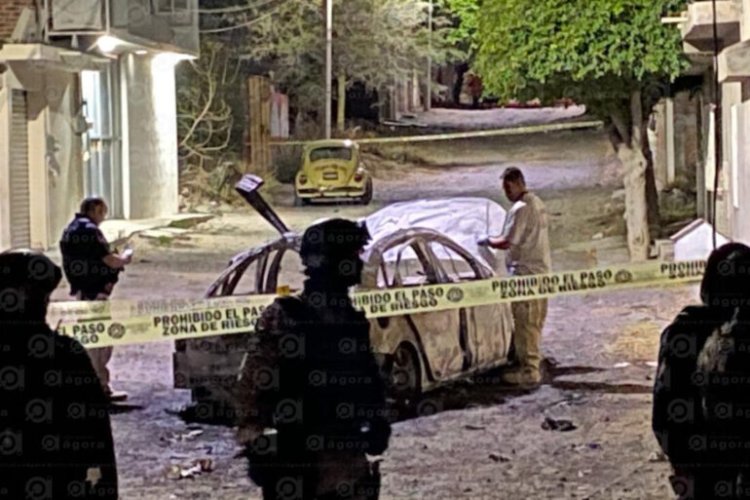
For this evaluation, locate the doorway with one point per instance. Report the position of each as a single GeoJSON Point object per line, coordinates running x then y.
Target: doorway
{"type": "Point", "coordinates": [101, 143]}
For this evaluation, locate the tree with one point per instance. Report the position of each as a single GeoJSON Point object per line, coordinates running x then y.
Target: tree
{"type": "Point", "coordinates": [466, 21]}
{"type": "Point", "coordinates": [204, 116]}
{"type": "Point", "coordinates": [376, 42]}
{"type": "Point", "coordinates": [615, 56]}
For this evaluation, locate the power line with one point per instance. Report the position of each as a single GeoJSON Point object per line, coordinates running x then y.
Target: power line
{"type": "Point", "coordinates": [234, 9]}
{"type": "Point", "coordinates": [247, 24]}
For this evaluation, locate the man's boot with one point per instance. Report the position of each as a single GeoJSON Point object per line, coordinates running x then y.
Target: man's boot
{"type": "Point", "coordinates": [523, 376]}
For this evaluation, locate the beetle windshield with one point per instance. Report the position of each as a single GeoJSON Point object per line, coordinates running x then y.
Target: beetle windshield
{"type": "Point", "coordinates": [332, 153]}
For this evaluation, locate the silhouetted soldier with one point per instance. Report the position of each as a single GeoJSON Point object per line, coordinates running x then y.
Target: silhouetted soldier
{"type": "Point", "coordinates": [701, 414]}
{"type": "Point", "coordinates": [310, 374]}
{"type": "Point", "coordinates": [55, 435]}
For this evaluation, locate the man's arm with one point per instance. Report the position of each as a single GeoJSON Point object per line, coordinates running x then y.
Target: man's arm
{"type": "Point", "coordinates": [116, 261]}
{"type": "Point", "coordinates": [514, 230]}
{"type": "Point", "coordinates": [500, 243]}
{"type": "Point", "coordinates": [258, 379]}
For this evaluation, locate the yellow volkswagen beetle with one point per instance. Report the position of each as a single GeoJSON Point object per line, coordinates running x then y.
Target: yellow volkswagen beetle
{"type": "Point", "coordinates": [332, 170]}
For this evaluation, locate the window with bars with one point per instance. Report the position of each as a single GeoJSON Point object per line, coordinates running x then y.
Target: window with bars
{"type": "Point", "coordinates": [171, 6]}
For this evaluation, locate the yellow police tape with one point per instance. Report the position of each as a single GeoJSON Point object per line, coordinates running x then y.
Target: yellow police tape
{"type": "Point", "coordinates": [475, 134]}
{"type": "Point", "coordinates": [125, 322]}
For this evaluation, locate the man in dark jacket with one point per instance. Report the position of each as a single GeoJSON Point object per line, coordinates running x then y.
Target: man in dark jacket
{"type": "Point", "coordinates": [55, 435]}
{"type": "Point", "coordinates": [92, 270]}
{"type": "Point", "coordinates": [696, 409]}
{"type": "Point", "coordinates": [310, 375]}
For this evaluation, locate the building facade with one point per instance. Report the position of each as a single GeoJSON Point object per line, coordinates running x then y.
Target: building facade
{"type": "Point", "coordinates": [733, 27]}
{"type": "Point", "coordinates": [88, 107]}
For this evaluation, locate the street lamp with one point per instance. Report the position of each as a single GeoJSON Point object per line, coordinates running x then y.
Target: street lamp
{"type": "Point", "coordinates": [329, 65]}
{"type": "Point", "coordinates": [428, 100]}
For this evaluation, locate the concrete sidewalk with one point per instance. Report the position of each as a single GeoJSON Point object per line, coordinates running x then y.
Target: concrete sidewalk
{"type": "Point", "coordinates": [119, 231]}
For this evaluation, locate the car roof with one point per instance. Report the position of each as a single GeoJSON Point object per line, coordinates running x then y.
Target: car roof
{"type": "Point", "coordinates": [331, 143]}
{"type": "Point", "coordinates": [463, 220]}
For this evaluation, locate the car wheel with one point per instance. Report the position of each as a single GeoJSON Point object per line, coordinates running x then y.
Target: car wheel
{"type": "Point", "coordinates": [405, 379]}
{"type": "Point", "coordinates": [367, 197]}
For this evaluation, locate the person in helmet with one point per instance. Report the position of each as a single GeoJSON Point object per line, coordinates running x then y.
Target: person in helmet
{"type": "Point", "coordinates": [311, 401]}
{"type": "Point", "coordinates": [55, 434]}
{"type": "Point", "coordinates": [701, 390]}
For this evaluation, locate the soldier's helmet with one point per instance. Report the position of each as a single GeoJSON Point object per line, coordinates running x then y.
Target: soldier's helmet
{"type": "Point", "coordinates": [726, 282]}
{"type": "Point", "coordinates": [328, 244]}
{"type": "Point", "coordinates": [27, 278]}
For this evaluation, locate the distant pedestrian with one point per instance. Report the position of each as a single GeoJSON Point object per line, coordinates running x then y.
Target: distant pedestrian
{"type": "Point", "coordinates": [55, 434]}
{"type": "Point", "coordinates": [475, 87]}
{"type": "Point", "coordinates": [92, 270]}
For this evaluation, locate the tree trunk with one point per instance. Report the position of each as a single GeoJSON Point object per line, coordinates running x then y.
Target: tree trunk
{"type": "Point", "coordinates": [341, 104]}
{"type": "Point", "coordinates": [652, 194]}
{"type": "Point", "coordinates": [636, 205]}
{"type": "Point", "coordinates": [641, 199]}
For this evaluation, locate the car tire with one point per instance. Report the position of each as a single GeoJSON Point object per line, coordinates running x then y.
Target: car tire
{"type": "Point", "coordinates": [367, 197]}
{"type": "Point", "coordinates": [405, 380]}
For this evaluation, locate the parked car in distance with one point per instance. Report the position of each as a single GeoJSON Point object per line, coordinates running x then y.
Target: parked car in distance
{"type": "Point", "coordinates": [332, 170]}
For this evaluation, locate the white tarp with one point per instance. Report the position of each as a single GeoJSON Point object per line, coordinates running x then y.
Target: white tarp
{"type": "Point", "coordinates": [464, 220]}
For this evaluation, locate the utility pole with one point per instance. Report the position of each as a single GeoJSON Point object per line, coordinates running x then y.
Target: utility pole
{"type": "Point", "coordinates": [329, 65]}
{"type": "Point", "coordinates": [428, 99]}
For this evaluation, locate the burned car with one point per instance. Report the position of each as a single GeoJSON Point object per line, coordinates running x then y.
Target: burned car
{"type": "Point", "coordinates": [413, 244]}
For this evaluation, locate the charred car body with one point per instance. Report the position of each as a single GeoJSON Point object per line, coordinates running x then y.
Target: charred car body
{"type": "Point", "coordinates": [413, 244]}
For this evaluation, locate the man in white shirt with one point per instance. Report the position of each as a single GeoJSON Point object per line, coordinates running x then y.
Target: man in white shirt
{"type": "Point", "coordinates": [526, 239]}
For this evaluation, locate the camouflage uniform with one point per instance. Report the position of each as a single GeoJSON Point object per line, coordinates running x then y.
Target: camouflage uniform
{"type": "Point", "coordinates": [309, 373]}
{"type": "Point", "coordinates": [55, 433]}
{"type": "Point", "coordinates": [701, 390]}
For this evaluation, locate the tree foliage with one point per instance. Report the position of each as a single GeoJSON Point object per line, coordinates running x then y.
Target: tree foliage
{"type": "Point", "coordinates": [615, 56]}
{"type": "Point", "coordinates": [465, 14]}
{"type": "Point", "coordinates": [595, 51]}
{"type": "Point", "coordinates": [375, 42]}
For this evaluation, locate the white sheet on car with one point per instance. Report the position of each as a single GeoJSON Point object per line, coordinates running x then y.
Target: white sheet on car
{"type": "Point", "coordinates": [464, 220]}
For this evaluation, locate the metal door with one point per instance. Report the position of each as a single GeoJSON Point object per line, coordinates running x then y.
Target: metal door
{"type": "Point", "coordinates": [101, 142]}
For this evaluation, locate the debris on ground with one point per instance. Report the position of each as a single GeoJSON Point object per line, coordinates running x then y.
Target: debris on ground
{"type": "Point", "coordinates": [191, 435]}
{"type": "Point", "coordinates": [657, 456]}
{"type": "Point", "coordinates": [181, 437]}
{"type": "Point", "coordinates": [555, 424]}
{"type": "Point", "coordinates": [189, 472]}
{"type": "Point", "coordinates": [472, 427]}
{"type": "Point", "coordinates": [624, 364]}
{"type": "Point", "coordinates": [498, 457]}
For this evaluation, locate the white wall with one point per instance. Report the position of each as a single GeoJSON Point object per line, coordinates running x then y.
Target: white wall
{"type": "Point", "coordinates": [741, 213]}
{"type": "Point", "coordinates": [149, 130]}
{"type": "Point", "coordinates": [731, 94]}
{"type": "Point", "coordinates": [5, 110]}
{"type": "Point", "coordinates": [64, 160]}
{"type": "Point", "coordinates": [54, 152]}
